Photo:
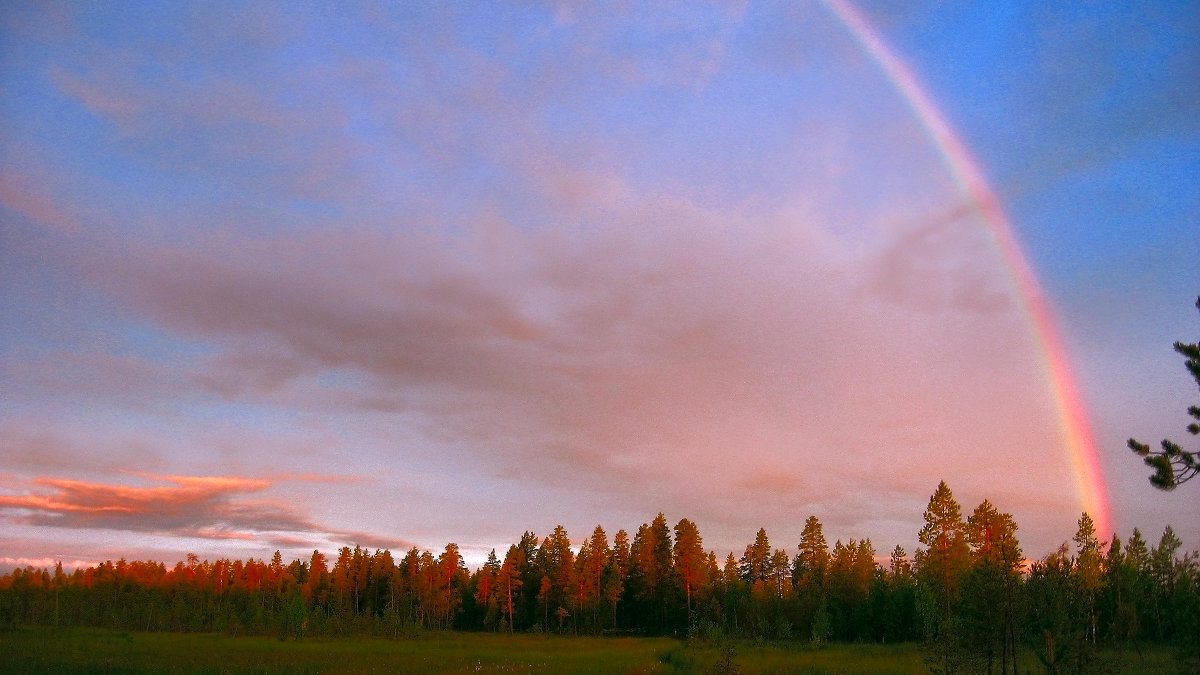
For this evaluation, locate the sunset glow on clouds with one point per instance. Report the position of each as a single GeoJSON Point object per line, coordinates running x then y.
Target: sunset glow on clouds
{"type": "Point", "coordinates": [282, 278]}
{"type": "Point", "coordinates": [195, 507]}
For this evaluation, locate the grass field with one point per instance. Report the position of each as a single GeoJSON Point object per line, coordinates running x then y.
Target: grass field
{"type": "Point", "coordinates": [37, 650]}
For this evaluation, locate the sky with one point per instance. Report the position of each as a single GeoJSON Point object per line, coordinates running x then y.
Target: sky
{"type": "Point", "coordinates": [301, 276]}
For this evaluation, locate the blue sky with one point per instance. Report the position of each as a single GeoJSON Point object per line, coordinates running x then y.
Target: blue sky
{"type": "Point", "coordinates": [408, 275]}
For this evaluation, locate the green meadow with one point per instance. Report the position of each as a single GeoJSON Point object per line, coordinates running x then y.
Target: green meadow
{"type": "Point", "coordinates": [79, 650]}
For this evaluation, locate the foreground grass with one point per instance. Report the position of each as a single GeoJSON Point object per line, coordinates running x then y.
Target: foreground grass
{"type": "Point", "coordinates": [98, 651]}
{"type": "Point", "coordinates": [40, 650]}
{"type": "Point", "coordinates": [33, 650]}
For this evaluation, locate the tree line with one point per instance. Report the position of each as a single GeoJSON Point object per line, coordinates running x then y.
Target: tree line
{"type": "Point", "coordinates": [968, 591]}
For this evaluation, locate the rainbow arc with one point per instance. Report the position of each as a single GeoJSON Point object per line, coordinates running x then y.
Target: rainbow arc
{"type": "Point", "coordinates": [1085, 462]}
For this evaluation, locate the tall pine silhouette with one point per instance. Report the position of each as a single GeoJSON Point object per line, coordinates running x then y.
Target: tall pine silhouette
{"type": "Point", "coordinates": [1173, 465]}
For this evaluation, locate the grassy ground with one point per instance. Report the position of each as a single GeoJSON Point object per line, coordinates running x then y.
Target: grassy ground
{"type": "Point", "coordinates": [98, 651]}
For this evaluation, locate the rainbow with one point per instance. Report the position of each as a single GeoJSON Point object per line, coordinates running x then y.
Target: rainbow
{"type": "Point", "coordinates": [1085, 462]}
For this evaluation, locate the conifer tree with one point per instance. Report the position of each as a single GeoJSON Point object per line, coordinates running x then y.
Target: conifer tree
{"type": "Point", "coordinates": [1120, 582]}
{"type": "Point", "coordinates": [1053, 626]}
{"type": "Point", "coordinates": [691, 564]}
{"type": "Point", "coordinates": [813, 556]}
{"type": "Point", "coordinates": [1164, 576]}
{"type": "Point", "coordinates": [991, 586]}
{"type": "Point", "coordinates": [557, 563]}
{"type": "Point", "coordinates": [900, 623]}
{"type": "Point", "coordinates": [1088, 569]}
{"type": "Point", "coordinates": [944, 535]}
{"type": "Point", "coordinates": [485, 589]}
{"type": "Point", "coordinates": [780, 573]}
{"type": "Point", "coordinates": [620, 552]}
{"type": "Point", "coordinates": [508, 581]}
{"type": "Point", "coordinates": [614, 587]}
{"type": "Point", "coordinates": [940, 568]}
{"type": "Point", "coordinates": [318, 579]}
{"type": "Point", "coordinates": [1173, 465]}
{"type": "Point", "coordinates": [756, 560]}
{"type": "Point", "coordinates": [593, 557]}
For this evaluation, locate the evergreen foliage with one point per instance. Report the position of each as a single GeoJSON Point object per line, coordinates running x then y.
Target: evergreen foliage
{"type": "Point", "coordinates": [1173, 465]}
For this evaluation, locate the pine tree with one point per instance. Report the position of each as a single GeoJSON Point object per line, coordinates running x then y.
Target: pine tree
{"type": "Point", "coordinates": [940, 568]}
{"type": "Point", "coordinates": [944, 535]}
{"type": "Point", "coordinates": [1120, 581]}
{"type": "Point", "coordinates": [1089, 569]}
{"type": "Point", "coordinates": [508, 581]}
{"type": "Point", "coordinates": [691, 564]}
{"type": "Point", "coordinates": [898, 565]}
{"type": "Point", "coordinates": [316, 590]}
{"type": "Point", "coordinates": [485, 589]}
{"type": "Point", "coordinates": [341, 582]}
{"type": "Point", "coordinates": [900, 624]}
{"type": "Point", "coordinates": [813, 556]}
{"type": "Point", "coordinates": [593, 557]}
{"type": "Point", "coordinates": [990, 587]}
{"type": "Point", "coordinates": [779, 573]}
{"type": "Point", "coordinates": [614, 587]}
{"type": "Point", "coordinates": [650, 571]}
{"type": "Point", "coordinates": [664, 563]}
{"type": "Point", "coordinates": [620, 552]}
{"type": "Point", "coordinates": [1052, 623]}
{"type": "Point", "coordinates": [557, 563]}
{"type": "Point", "coordinates": [531, 576]}
{"type": "Point", "coordinates": [1164, 576]}
{"type": "Point", "coordinates": [620, 564]}
{"type": "Point", "coordinates": [408, 584]}
{"type": "Point", "coordinates": [1173, 465]}
{"type": "Point", "coordinates": [756, 560]}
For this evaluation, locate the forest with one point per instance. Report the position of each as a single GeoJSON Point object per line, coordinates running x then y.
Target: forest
{"type": "Point", "coordinates": [969, 593]}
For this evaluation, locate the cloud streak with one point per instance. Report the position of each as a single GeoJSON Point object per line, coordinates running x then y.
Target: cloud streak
{"type": "Point", "coordinates": [199, 507]}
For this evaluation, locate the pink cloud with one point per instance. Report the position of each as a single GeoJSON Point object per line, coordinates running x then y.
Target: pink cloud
{"type": "Point", "coordinates": [93, 374]}
{"type": "Point", "coordinates": [202, 507]}
{"type": "Point", "coordinates": [936, 266]}
{"type": "Point", "coordinates": [113, 102]}
{"type": "Point", "coordinates": [679, 342]}
{"type": "Point", "coordinates": [84, 503]}
{"type": "Point", "coordinates": [29, 193]}
{"type": "Point", "coordinates": [46, 563]}
{"type": "Point", "coordinates": [48, 444]}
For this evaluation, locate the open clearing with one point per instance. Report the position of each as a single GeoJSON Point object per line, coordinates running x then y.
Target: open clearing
{"type": "Point", "coordinates": [76, 650]}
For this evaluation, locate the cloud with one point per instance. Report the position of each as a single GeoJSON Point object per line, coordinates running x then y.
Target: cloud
{"type": "Point", "coordinates": [240, 120]}
{"type": "Point", "coordinates": [674, 340]}
{"type": "Point", "coordinates": [606, 259]}
{"type": "Point", "coordinates": [27, 188]}
{"type": "Point", "coordinates": [131, 380]}
{"type": "Point", "coordinates": [189, 504]}
{"type": "Point", "coordinates": [9, 563]}
{"type": "Point", "coordinates": [40, 444]}
{"type": "Point", "coordinates": [201, 507]}
{"type": "Point", "coordinates": [935, 266]}
{"type": "Point", "coordinates": [645, 46]}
